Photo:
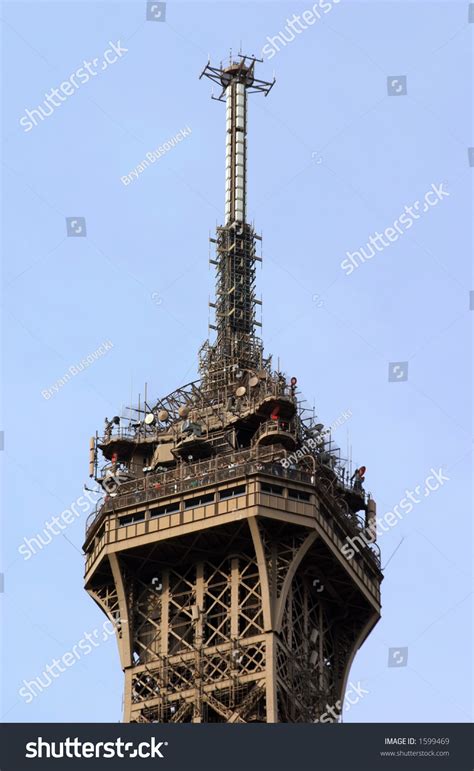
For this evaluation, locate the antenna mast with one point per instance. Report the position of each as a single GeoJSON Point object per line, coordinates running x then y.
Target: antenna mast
{"type": "Point", "coordinates": [237, 346]}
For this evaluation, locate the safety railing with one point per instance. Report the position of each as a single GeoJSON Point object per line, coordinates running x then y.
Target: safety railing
{"type": "Point", "coordinates": [167, 484]}
{"type": "Point", "coordinates": [274, 427]}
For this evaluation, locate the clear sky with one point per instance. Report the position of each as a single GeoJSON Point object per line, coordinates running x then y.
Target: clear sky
{"type": "Point", "coordinates": [333, 159]}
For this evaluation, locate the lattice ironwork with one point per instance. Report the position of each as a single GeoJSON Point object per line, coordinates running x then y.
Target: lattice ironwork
{"type": "Point", "coordinates": [146, 621]}
{"type": "Point", "coordinates": [250, 600]}
{"type": "Point", "coordinates": [106, 596]}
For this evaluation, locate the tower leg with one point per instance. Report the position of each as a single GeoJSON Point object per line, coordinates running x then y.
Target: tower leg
{"type": "Point", "coordinates": [271, 689]}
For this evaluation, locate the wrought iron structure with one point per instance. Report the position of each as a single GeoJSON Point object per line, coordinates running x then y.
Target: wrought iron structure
{"type": "Point", "coordinates": [224, 549]}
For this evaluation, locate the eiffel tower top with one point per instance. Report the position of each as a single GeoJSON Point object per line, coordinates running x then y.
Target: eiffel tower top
{"type": "Point", "coordinates": [241, 408]}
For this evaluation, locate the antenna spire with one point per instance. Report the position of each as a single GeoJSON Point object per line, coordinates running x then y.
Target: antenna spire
{"type": "Point", "coordinates": [237, 346]}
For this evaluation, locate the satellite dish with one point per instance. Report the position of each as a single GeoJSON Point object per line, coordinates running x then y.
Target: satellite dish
{"type": "Point", "coordinates": [262, 374]}
{"type": "Point", "coordinates": [241, 390]}
{"type": "Point", "coordinates": [253, 381]}
{"type": "Point", "coordinates": [163, 415]}
{"type": "Point", "coordinates": [116, 420]}
{"type": "Point", "coordinates": [149, 419]}
{"type": "Point", "coordinates": [319, 426]}
{"type": "Point", "coordinates": [183, 412]}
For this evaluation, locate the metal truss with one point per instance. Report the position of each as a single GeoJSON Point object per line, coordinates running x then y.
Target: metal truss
{"type": "Point", "coordinates": [241, 637]}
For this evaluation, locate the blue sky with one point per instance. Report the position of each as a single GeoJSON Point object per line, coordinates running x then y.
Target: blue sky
{"type": "Point", "coordinates": [332, 159]}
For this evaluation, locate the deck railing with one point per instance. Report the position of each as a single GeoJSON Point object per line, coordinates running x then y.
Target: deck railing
{"type": "Point", "coordinates": [198, 475]}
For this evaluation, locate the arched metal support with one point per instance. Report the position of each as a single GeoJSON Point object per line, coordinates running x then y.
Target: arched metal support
{"type": "Point", "coordinates": [303, 550]}
{"type": "Point", "coordinates": [357, 643]}
{"type": "Point", "coordinates": [268, 610]}
{"type": "Point", "coordinates": [124, 636]}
